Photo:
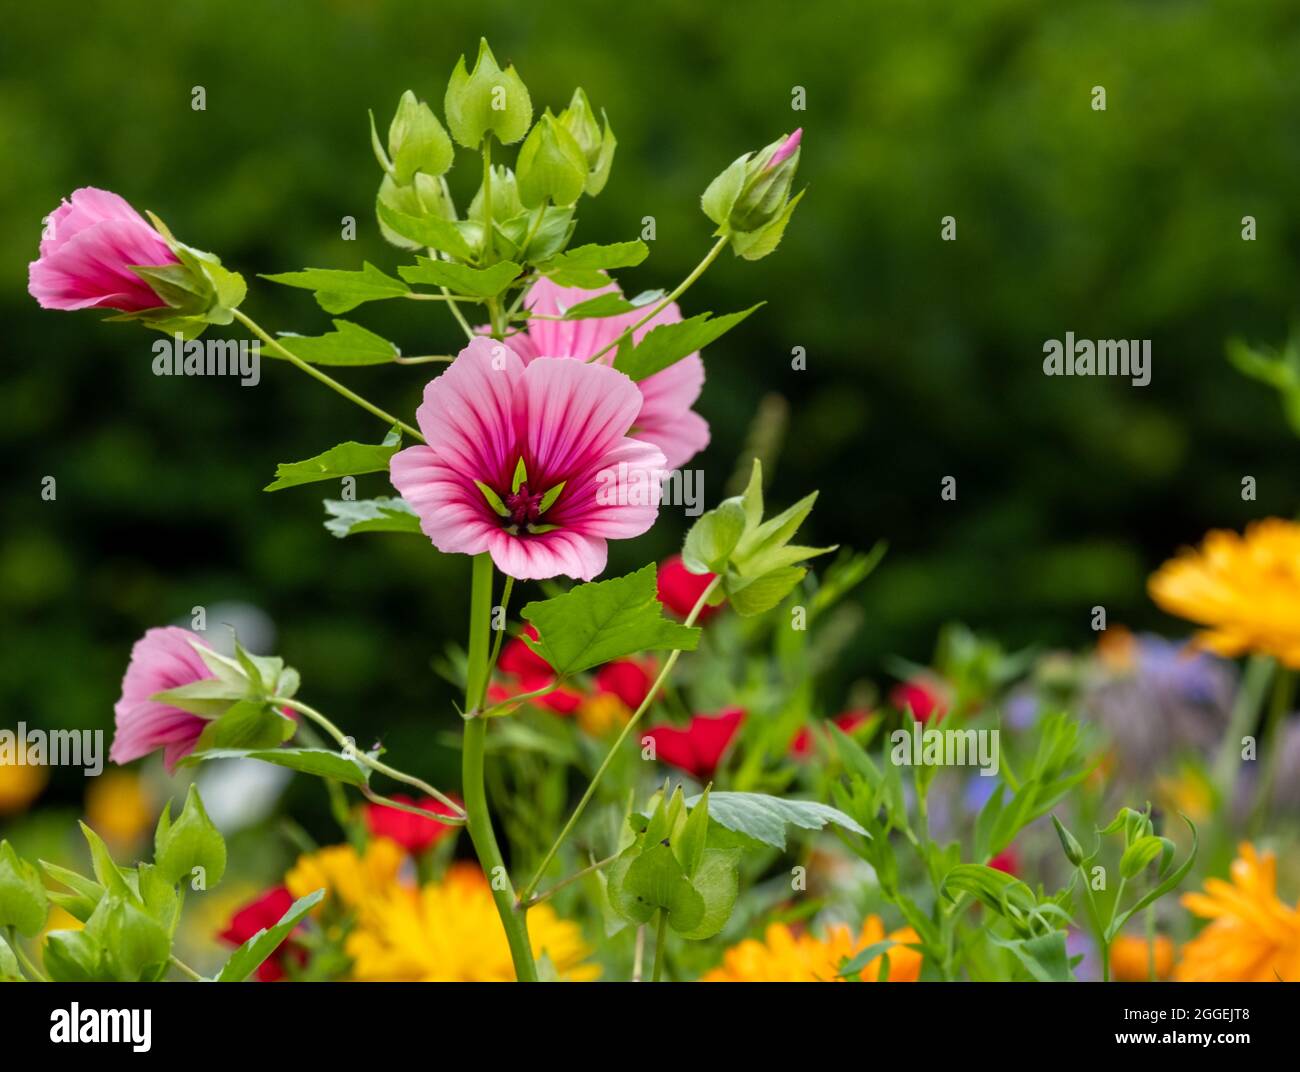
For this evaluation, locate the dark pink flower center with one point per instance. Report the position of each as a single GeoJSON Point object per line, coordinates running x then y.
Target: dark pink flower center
{"type": "Point", "coordinates": [524, 506]}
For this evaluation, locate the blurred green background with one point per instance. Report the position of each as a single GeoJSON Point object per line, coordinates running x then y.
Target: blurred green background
{"type": "Point", "coordinates": [924, 357]}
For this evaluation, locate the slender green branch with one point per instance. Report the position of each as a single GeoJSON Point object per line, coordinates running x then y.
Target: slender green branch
{"type": "Point", "coordinates": [661, 932]}
{"type": "Point", "coordinates": [186, 970]}
{"type": "Point", "coordinates": [424, 359]}
{"type": "Point", "coordinates": [1245, 710]}
{"type": "Point", "coordinates": [328, 381]}
{"type": "Point", "coordinates": [669, 663]}
{"type": "Point", "coordinates": [681, 289]}
{"type": "Point", "coordinates": [349, 746]}
{"type": "Point", "coordinates": [413, 809]}
{"type": "Point", "coordinates": [538, 898]}
{"type": "Point", "coordinates": [478, 818]}
{"type": "Point", "coordinates": [500, 633]}
{"type": "Point", "coordinates": [1272, 739]}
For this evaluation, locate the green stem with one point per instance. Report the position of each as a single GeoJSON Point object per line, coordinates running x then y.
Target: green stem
{"type": "Point", "coordinates": [660, 934]}
{"type": "Point", "coordinates": [328, 381]}
{"type": "Point", "coordinates": [423, 359]}
{"type": "Point", "coordinates": [538, 898]}
{"type": "Point", "coordinates": [487, 198]}
{"type": "Point", "coordinates": [22, 956]}
{"type": "Point", "coordinates": [349, 746]}
{"type": "Point", "coordinates": [681, 289]}
{"type": "Point", "coordinates": [186, 969]}
{"type": "Point", "coordinates": [1272, 741]}
{"type": "Point", "coordinates": [1245, 711]}
{"type": "Point", "coordinates": [669, 663]}
{"type": "Point", "coordinates": [500, 633]}
{"type": "Point", "coordinates": [478, 820]}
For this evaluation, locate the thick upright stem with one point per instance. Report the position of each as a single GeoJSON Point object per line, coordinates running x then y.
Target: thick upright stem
{"type": "Point", "coordinates": [478, 820]}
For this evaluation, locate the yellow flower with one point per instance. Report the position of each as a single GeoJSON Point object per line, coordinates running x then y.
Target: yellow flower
{"type": "Point", "coordinates": [1252, 937]}
{"type": "Point", "coordinates": [1188, 791]}
{"type": "Point", "coordinates": [1130, 960]}
{"type": "Point", "coordinates": [601, 712]}
{"type": "Point", "coordinates": [20, 784]}
{"type": "Point", "coordinates": [1246, 589]}
{"type": "Point", "coordinates": [117, 807]}
{"type": "Point", "coordinates": [449, 931]}
{"type": "Point", "coordinates": [353, 880]}
{"type": "Point", "coordinates": [785, 957]}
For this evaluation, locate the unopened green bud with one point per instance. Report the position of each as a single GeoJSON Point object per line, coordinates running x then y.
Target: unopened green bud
{"type": "Point", "coordinates": [1073, 850]}
{"type": "Point", "coordinates": [750, 200]}
{"type": "Point", "coordinates": [417, 142]}
{"type": "Point", "coordinates": [551, 165]}
{"type": "Point", "coordinates": [597, 146]}
{"type": "Point", "coordinates": [505, 197]}
{"type": "Point", "coordinates": [487, 100]}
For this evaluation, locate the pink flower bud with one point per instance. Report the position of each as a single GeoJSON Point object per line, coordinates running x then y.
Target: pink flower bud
{"type": "Point", "coordinates": [786, 150]}
{"type": "Point", "coordinates": [87, 249]}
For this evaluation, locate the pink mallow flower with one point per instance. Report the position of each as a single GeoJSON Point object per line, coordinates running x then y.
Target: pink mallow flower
{"type": "Point", "coordinates": [162, 659]}
{"type": "Point", "coordinates": [531, 464]}
{"type": "Point", "coordinates": [665, 417]}
{"type": "Point", "coordinates": [87, 249]}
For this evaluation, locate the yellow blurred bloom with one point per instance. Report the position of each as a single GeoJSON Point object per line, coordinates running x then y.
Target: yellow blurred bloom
{"type": "Point", "coordinates": [20, 784]}
{"type": "Point", "coordinates": [785, 957]}
{"type": "Point", "coordinates": [601, 712]}
{"type": "Point", "coordinates": [449, 931]}
{"type": "Point", "coordinates": [117, 807]}
{"type": "Point", "coordinates": [1189, 791]}
{"type": "Point", "coordinates": [1245, 588]}
{"type": "Point", "coordinates": [352, 880]}
{"type": "Point", "coordinates": [1130, 958]}
{"type": "Point", "coordinates": [1252, 936]}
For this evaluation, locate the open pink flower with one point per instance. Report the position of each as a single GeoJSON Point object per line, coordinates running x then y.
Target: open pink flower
{"type": "Point", "coordinates": [530, 464]}
{"type": "Point", "coordinates": [87, 249]}
{"type": "Point", "coordinates": [665, 418]}
{"type": "Point", "coordinates": [161, 659]}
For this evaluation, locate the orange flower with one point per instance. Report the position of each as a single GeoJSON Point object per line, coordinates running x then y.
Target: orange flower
{"type": "Point", "coordinates": [1245, 588]}
{"type": "Point", "coordinates": [1252, 936]}
{"type": "Point", "coordinates": [1130, 958]}
{"type": "Point", "coordinates": [786, 957]}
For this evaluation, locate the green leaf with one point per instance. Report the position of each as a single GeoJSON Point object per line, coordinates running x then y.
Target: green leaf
{"type": "Point", "coordinates": [718, 883]}
{"type": "Point", "coordinates": [754, 245]}
{"type": "Point", "coordinates": [135, 946]}
{"type": "Point", "coordinates": [654, 882]}
{"type": "Point", "coordinates": [249, 956]}
{"type": "Point", "coordinates": [86, 892]}
{"type": "Point", "coordinates": [318, 761]}
{"type": "Point", "coordinates": [209, 697]}
{"type": "Point", "coordinates": [604, 305]}
{"type": "Point", "coordinates": [23, 901]}
{"type": "Point", "coordinates": [432, 232]}
{"type": "Point", "coordinates": [416, 141]}
{"type": "Point", "coordinates": [713, 537]}
{"type": "Point", "coordinates": [544, 241]}
{"type": "Point", "coordinates": [459, 279]}
{"type": "Point", "coordinates": [9, 970]}
{"type": "Point", "coordinates": [73, 957]}
{"type": "Point", "coordinates": [190, 842]}
{"type": "Point", "coordinates": [667, 344]}
{"type": "Point", "coordinates": [863, 957]}
{"type": "Point", "coordinates": [585, 266]}
{"type": "Point", "coordinates": [603, 620]}
{"type": "Point", "coordinates": [749, 597]}
{"type": "Point", "coordinates": [106, 871]}
{"type": "Point", "coordinates": [690, 843]}
{"type": "Point", "coordinates": [1165, 886]}
{"type": "Point", "coordinates": [347, 344]}
{"type": "Point", "coordinates": [765, 818]}
{"type": "Point", "coordinates": [247, 724]}
{"type": "Point", "coordinates": [350, 516]}
{"type": "Point", "coordinates": [346, 459]}
{"type": "Point", "coordinates": [1045, 957]}
{"type": "Point", "coordinates": [338, 291]}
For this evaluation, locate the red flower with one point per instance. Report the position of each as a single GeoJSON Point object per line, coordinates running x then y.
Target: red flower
{"type": "Point", "coordinates": [1007, 860]}
{"type": "Point", "coordinates": [413, 832]}
{"type": "Point", "coordinates": [802, 745]}
{"type": "Point", "coordinates": [680, 589]}
{"type": "Point", "coordinates": [628, 679]}
{"type": "Point", "coordinates": [921, 697]}
{"type": "Point", "coordinates": [697, 749]}
{"type": "Point", "coordinates": [531, 672]}
{"type": "Point", "coordinates": [262, 914]}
